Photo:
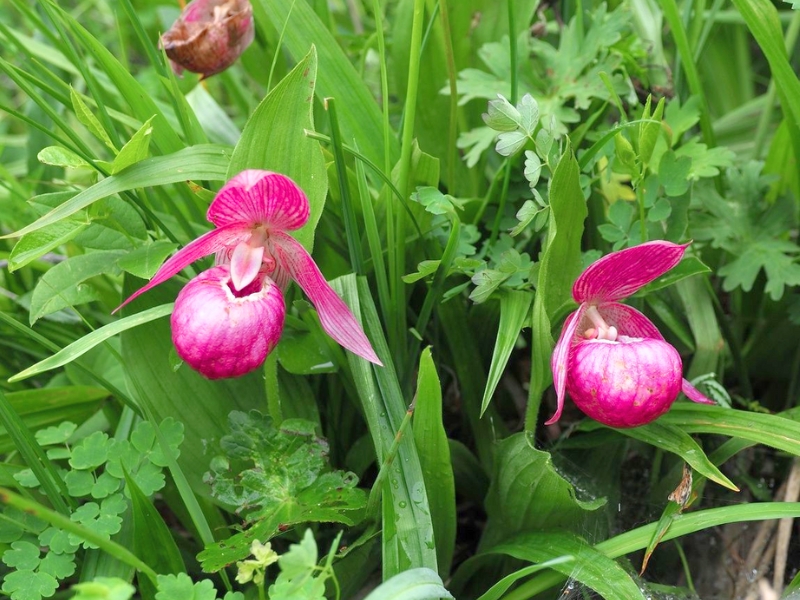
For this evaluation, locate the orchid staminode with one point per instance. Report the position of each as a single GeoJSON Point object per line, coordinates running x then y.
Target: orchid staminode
{"type": "Point", "coordinates": [227, 319]}
{"type": "Point", "coordinates": [613, 361]}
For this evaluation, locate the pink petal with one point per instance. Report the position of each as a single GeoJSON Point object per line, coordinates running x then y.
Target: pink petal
{"type": "Point", "coordinates": [560, 359]}
{"type": "Point", "coordinates": [693, 394]}
{"type": "Point", "coordinates": [222, 333]}
{"type": "Point", "coordinates": [256, 197]}
{"type": "Point", "coordinates": [629, 321]}
{"type": "Point", "coordinates": [206, 244]}
{"type": "Point", "coordinates": [335, 316]}
{"type": "Point", "coordinates": [245, 264]}
{"type": "Point", "coordinates": [620, 274]}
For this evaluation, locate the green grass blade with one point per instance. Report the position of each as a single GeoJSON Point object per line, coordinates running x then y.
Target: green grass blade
{"type": "Point", "coordinates": [98, 336]}
{"type": "Point", "coordinates": [407, 528]}
{"type": "Point", "coordinates": [338, 79]}
{"type": "Point", "coordinates": [26, 444]}
{"type": "Point", "coordinates": [676, 440]}
{"type": "Point", "coordinates": [775, 431]}
{"type": "Point", "coordinates": [762, 20]}
{"type": "Point", "coordinates": [206, 162]}
{"type": "Point", "coordinates": [434, 456]}
{"type": "Point", "coordinates": [514, 310]}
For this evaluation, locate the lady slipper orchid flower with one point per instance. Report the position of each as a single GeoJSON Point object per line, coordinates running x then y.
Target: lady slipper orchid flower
{"type": "Point", "coordinates": [209, 36]}
{"type": "Point", "coordinates": [616, 366]}
{"type": "Point", "coordinates": [227, 319]}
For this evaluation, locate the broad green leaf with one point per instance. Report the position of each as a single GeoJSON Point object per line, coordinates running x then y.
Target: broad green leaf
{"type": "Point", "coordinates": [136, 149]}
{"type": "Point", "coordinates": [501, 587]}
{"type": "Point", "coordinates": [92, 339]}
{"type": "Point", "coordinates": [414, 584]}
{"type": "Point", "coordinates": [152, 539]}
{"type": "Point", "coordinates": [338, 79]}
{"type": "Point", "coordinates": [514, 312]}
{"type": "Point", "coordinates": [688, 267]}
{"type": "Point", "coordinates": [775, 431]}
{"type": "Point", "coordinates": [527, 493]}
{"type": "Point", "coordinates": [34, 245]}
{"type": "Point", "coordinates": [676, 440]}
{"type": "Point", "coordinates": [145, 260]}
{"type": "Point", "coordinates": [592, 567]}
{"type": "Point", "coordinates": [434, 457]}
{"type": "Point", "coordinates": [560, 266]}
{"type": "Point", "coordinates": [408, 538]}
{"type": "Point", "coordinates": [62, 157]}
{"type": "Point", "coordinates": [273, 139]}
{"type": "Point", "coordinates": [87, 118]}
{"type": "Point", "coordinates": [207, 161]}
{"type": "Point", "coordinates": [63, 286]}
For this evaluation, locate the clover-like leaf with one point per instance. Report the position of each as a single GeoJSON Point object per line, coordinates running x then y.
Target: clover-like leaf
{"type": "Point", "coordinates": [28, 585]}
{"type": "Point", "coordinates": [529, 114]}
{"type": "Point", "coordinates": [509, 142]}
{"type": "Point", "coordinates": [79, 483]}
{"type": "Point", "coordinates": [502, 115]}
{"type": "Point", "coordinates": [57, 540]}
{"type": "Point", "coordinates": [59, 566]}
{"type": "Point", "coordinates": [181, 587]}
{"type": "Point", "coordinates": [22, 555]}
{"type": "Point", "coordinates": [91, 452]}
{"type": "Point", "coordinates": [56, 434]}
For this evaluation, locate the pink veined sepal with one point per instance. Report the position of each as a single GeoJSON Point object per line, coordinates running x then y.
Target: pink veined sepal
{"type": "Point", "coordinates": [260, 198]}
{"type": "Point", "coordinates": [559, 362]}
{"type": "Point", "coordinates": [693, 394]}
{"type": "Point", "coordinates": [334, 315]}
{"type": "Point", "coordinates": [622, 273]}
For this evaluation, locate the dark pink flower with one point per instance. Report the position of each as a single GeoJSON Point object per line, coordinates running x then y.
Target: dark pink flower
{"type": "Point", "coordinates": [227, 319]}
{"type": "Point", "coordinates": [209, 36]}
{"type": "Point", "coordinates": [613, 361]}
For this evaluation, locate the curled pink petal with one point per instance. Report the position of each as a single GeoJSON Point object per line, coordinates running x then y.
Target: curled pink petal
{"type": "Point", "coordinates": [693, 394]}
{"type": "Point", "coordinates": [334, 315]}
{"type": "Point", "coordinates": [224, 333]}
{"type": "Point", "coordinates": [629, 321]}
{"type": "Point", "coordinates": [559, 362]}
{"type": "Point", "coordinates": [245, 264]}
{"type": "Point", "coordinates": [260, 198]}
{"type": "Point", "coordinates": [620, 274]}
{"type": "Point", "coordinates": [206, 244]}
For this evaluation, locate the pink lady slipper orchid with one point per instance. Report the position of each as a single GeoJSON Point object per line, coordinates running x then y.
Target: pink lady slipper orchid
{"type": "Point", "coordinates": [209, 36]}
{"type": "Point", "coordinates": [227, 319]}
{"type": "Point", "coordinates": [616, 366]}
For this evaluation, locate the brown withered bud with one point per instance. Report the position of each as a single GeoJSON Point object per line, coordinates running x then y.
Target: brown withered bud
{"type": "Point", "coordinates": [209, 36]}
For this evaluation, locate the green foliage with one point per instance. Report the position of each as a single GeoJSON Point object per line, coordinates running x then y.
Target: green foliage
{"type": "Point", "coordinates": [498, 147]}
{"type": "Point", "coordinates": [274, 478]}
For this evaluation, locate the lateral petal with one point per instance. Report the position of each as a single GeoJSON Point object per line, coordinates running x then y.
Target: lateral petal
{"type": "Point", "coordinates": [256, 197]}
{"type": "Point", "coordinates": [559, 362]}
{"type": "Point", "coordinates": [206, 244]}
{"type": "Point", "coordinates": [620, 274]}
{"type": "Point", "coordinates": [693, 394]}
{"type": "Point", "coordinates": [335, 316]}
{"type": "Point", "coordinates": [629, 321]}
